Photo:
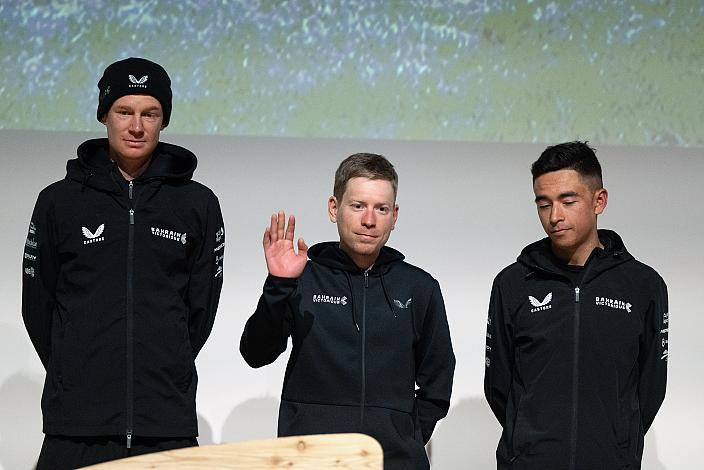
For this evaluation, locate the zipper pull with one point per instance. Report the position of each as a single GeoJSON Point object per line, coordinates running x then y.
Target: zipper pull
{"type": "Point", "coordinates": [355, 324]}
{"type": "Point", "coordinates": [129, 439]}
{"type": "Point", "coordinates": [131, 216]}
{"type": "Point", "coordinates": [576, 294]}
{"type": "Point", "coordinates": [366, 278]}
{"type": "Point", "coordinates": [131, 187]}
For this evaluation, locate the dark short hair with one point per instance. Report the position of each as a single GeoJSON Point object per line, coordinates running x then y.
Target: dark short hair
{"type": "Point", "coordinates": [365, 165]}
{"type": "Point", "coordinates": [577, 156]}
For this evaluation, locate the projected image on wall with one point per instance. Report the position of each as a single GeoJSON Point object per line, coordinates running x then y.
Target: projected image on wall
{"type": "Point", "coordinates": [499, 71]}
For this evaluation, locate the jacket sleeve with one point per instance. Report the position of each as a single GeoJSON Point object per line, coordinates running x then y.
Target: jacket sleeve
{"type": "Point", "coordinates": [499, 354]}
{"type": "Point", "coordinates": [435, 366]}
{"type": "Point", "coordinates": [266, 333]}
{"type": "Point", "coordinates": [206, 278]}
{"type": "Point", "coordinates": [40, 270]}
{"type": "Point", "coordinates": [652, 359]}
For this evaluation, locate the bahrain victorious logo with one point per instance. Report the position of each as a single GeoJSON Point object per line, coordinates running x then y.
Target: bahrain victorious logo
{"type": "Point", "coordinates": [170, 234]}
{"type": "Point", "coordinates": [138, 83]}
{"type": "Point", "coordinates": [329, 299]}
{"type": "Point", "coordinates": [93, 237]}
{"type": "Point", "coordinates": [400, 304]}
{"type": "Point", "coordinates": [613, 303]}
{"type": "Point", "coordinates": [538, 305]}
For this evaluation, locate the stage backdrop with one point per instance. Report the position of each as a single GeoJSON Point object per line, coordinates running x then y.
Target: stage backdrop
{"type": "Point", "coordinates": [461, 96]}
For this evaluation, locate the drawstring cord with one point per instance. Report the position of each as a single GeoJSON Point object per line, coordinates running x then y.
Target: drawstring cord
{"type": "Point", "coordinates": [354, 311]}
{"type": "Point", "coordinates": [386, 294]}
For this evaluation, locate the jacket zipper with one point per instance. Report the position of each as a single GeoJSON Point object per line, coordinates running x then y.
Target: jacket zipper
{"type": "Point", "coordinates": [129, 320]}
{"type": "Point", "coordinates": [575, 381]}
{"type": "Point", "coordinates": [364, 341]}
{"type": "Point", "coordinates": [575, 370]}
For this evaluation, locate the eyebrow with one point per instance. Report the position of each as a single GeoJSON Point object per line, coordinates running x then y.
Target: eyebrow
{"type": "Point", "coordinates": [124, 107]}
{"type": "Point", "coordinates": [541, 197]}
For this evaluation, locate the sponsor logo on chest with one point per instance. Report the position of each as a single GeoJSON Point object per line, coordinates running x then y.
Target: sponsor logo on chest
{"type": "Point", "coordinates": [329, 299]}
{"type": "Point", "coordinates": [537, 305]}
{"type": "Point", "coordinates": [93, 237]}
{"type": "Point", "coordinates": [613, 303]}
{"type": "Point", "coordinates": [169, 234]}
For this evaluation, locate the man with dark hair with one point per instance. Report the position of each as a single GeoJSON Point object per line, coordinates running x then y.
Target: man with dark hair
{"type": "Point", "coordinates": [122, 276]}
{"type": "Point", "coordinates": [576, 342]}
{"type": "Point", "coordinates": [366, 327]}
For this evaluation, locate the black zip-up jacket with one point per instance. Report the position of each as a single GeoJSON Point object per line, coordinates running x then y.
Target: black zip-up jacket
{"type": "Point", "coordinates": [576, 373]}
{"type": "Point", "coordinates": [362, 341]}
{"type": "Point", "coordinates": [120, 287]}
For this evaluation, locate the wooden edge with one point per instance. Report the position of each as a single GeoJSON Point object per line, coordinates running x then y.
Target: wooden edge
{"type": "Point", "coordinates": [316, 451]}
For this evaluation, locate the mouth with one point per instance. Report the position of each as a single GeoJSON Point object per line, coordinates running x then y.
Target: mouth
{"type": "Point", "coordinates": [365, 236]}
{"type": "Point", "coordinates": [558, 231]}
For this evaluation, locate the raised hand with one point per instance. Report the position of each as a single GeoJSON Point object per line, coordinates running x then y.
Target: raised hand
{"type": "Point", "coordinates": [281, 259]}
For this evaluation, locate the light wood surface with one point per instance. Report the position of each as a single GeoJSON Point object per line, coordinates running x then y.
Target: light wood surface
{"type": "Point", "coordinates": [314, 452]}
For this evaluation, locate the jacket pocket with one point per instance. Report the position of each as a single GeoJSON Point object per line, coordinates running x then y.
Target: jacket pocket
{"type": "Point", "coordinates": [183, 369]}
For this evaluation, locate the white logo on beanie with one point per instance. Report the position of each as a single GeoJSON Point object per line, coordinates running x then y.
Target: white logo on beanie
{"type": "Point", "coordinates": [138, 83]}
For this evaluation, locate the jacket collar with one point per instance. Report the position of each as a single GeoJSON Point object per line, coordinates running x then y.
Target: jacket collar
{"type": "Point", "coordinates": [330, 254]}
{"type": "Point", "coordinates": [94, 168]}
{"type": "Point", "coordinates": [538, 256]}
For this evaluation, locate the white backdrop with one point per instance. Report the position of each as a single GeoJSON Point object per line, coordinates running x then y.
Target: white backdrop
{"type": "Point", "coordinates": [466, 210]}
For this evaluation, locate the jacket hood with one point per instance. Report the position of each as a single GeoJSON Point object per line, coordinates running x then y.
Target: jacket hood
{"type": "Point", "coordinates": [330, 254]}
{"type": "Point", "coordinates": [94, 168]}
{"type": "Point", "coordinates": [539, 255]}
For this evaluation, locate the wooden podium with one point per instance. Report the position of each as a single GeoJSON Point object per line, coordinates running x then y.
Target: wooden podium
{"type": "Point", "coordinates": [314, 452]}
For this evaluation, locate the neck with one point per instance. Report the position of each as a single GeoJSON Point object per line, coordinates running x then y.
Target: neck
{"type": "Point", "coordinates": [131, 170]}
{"type": "Point", "coordinates": [361, 261]}
{"type": "Point", "coordinates": [579, 255]}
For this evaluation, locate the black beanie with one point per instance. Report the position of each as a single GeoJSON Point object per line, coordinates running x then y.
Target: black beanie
{"type": "Point", "coordinates": [134, 76]}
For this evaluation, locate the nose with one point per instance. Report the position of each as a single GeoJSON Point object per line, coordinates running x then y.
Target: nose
{"type": "Point", "coordinates": [556, 214]}
{"type": "Point", "coordinates": [136, 125]}
{"type": "Point", "coordinates": [369, 218]}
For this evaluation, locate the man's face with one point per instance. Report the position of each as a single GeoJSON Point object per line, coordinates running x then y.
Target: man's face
{"type": "Point", "coordinates": [365, 217]}
{"type": "Point", "coordinates": [133, 124]}
{"type": "Point", "coordinates": [568, 207]}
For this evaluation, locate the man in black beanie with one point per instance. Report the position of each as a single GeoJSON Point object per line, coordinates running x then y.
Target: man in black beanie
{"type": "Point", "coordinates": [121, 281]}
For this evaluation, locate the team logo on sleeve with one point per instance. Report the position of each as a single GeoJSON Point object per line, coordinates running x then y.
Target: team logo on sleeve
{"type": "Point", "coordinates": [93, 237]}
{"type": "Point", "coordinates": [538, 305]}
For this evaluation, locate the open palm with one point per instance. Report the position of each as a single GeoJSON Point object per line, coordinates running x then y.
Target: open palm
{"type": "Point", "coordinates": [281, 258]}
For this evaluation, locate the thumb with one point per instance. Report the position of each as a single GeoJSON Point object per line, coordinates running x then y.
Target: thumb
{"type": "Point", "coordinates": [302, 247]}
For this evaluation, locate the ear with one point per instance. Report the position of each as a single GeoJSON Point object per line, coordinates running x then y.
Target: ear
{"type": "Point", "coordinates": [601, 197]}
{"type": "Point", "coordinates": [332, 209]}
{"type": "Point", "coordinates": [395, 216]}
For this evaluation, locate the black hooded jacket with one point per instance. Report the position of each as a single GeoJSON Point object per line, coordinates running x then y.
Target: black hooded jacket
{"type": "Point", "coordinates": [120, 287]}
{"type": "Point", "coordinates": [576, 373]}
{"type": "Point", "coordinates": [362, 341]}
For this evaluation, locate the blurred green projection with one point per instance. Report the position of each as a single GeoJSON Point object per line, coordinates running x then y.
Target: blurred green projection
{"type": "Point", "coordinates": [614, 72]}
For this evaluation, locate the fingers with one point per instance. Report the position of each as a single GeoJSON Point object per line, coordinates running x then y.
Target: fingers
{"type": "Point", "coordinates": [281, 223]}
{"type": "Point", "coordinates": [291, 227]}
{"type": "Point", "coordinates": [278, 230]}
{"type": "Point", "coordinates": [272, 227]}
{"type": "Point", "coordinates": [267, 239]}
